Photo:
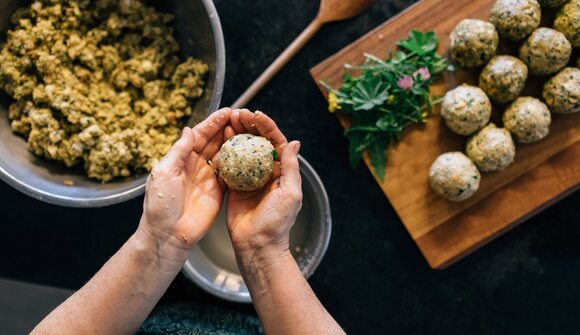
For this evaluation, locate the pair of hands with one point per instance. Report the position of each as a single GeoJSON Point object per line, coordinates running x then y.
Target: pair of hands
{"type": "Point", "coordinates": [183, 195]}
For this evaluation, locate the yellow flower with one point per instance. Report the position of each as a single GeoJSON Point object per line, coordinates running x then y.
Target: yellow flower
{"type": "Point", "coordinates": [333, 104]}
{"type": "Point", "coordinates": [390, 99]}
{"type": "Point", "coordinates": [424, 115]}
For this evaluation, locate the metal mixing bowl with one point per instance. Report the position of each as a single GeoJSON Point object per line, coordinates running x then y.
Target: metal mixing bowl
{"type": "Point", "coordinates": [212, 263]}
{"type": "Point", "coordinates": [197, 28]}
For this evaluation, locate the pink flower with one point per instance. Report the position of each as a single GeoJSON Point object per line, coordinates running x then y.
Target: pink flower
{"type": "Point", "coordinates": [423, 73]}
{"type": "Point", "coordinates": [405, 82]}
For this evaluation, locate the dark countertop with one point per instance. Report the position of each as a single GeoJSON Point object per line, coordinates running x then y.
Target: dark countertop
{"type": "Point", "coordinates": [374, 279]}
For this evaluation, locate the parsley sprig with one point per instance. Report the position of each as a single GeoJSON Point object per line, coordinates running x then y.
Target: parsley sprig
{"type": "Point", "coordinates": [388, 96]}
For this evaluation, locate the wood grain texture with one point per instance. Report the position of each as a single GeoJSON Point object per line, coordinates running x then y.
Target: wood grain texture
{"type": "Point", "coordinates": [446, 231]}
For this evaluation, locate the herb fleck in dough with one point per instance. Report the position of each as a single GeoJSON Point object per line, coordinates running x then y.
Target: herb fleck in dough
{"type": "Point", "coordinates": [246, 162]}
{"type": "Point", "coordinates": [98, 83]}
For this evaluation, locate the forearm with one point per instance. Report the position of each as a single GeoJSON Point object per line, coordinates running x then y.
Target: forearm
{"type": "Point", "coordinates": [121, 295]}
{"type": "Point", "coordinates": [282, 297]}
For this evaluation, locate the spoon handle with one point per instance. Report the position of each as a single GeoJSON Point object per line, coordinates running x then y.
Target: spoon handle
{"type": "Point", "coordinates": [278, 64]}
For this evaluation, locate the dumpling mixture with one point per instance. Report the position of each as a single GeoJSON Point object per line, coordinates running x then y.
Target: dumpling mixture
{"type": "Point", "coordinates": [491, 149]}
{"type": "Point", "coordinates": [568, 22]}
{"type": "Point", "coordinates": [551, 3]}
{"type": "Point", "coordinates": [545, 51]}
{"type": "Point", "coordinates": [528, 119]}
{"type": "Point", "coordinates": [473, 42]}
{"type": "Point", "coordinates": [515, 19]}
{"type": "Point", "coordinates": [246, 162]}
{"type": "Point", "coordinates": [503, 78]}
{"type": "Point", "coordinates": [454, 176]}
{"type": "Point", "coordinates": [466, 109]}
{"type": "Point", "coordinates": [562, 92]}
{"type": "Point", "coordinates": [98, 83]}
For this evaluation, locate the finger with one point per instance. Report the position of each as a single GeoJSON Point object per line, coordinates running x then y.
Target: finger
{"type": "Point", "coordinates": [264, 125]}
{"type": "Point", "coordinates": [213, 146]}
{"type": "Point", "coordinates": [206, 130]}
{"type": "Point", "coordinates": [180, 150]}
{"type": "Point", "coordinates": [235, 122]}
{"type": "Point", "coordinates": [290, 178]}
{"type": "Point", "coordinates": [276, 171]}
{"type": "Point", "coordinates": [229, 132]}
{"type": "Point", "coordinates": [248, 121]}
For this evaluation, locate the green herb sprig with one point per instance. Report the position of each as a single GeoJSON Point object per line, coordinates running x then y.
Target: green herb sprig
{"type": "Point", "coordinates": [388, 96]}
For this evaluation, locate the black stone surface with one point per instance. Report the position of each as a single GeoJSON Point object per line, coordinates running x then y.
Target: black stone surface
{"type": "Point", "coordinates": [373, 280]}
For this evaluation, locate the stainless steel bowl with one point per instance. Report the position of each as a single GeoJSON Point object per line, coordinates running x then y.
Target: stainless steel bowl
{"type": "Point", "coordinates": [199, 32]}
{"type": "Point", "coordinates": [212, 263]}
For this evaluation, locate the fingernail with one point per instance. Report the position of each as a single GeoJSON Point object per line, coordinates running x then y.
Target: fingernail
{"type": "Point", "coordinates": [297, 147]}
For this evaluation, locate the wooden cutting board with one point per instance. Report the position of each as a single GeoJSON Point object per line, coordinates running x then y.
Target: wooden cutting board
{"type": "Point", "coordinates": [542, 173]}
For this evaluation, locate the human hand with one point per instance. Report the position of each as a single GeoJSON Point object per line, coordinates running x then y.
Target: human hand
{"type": "Point", "coordinates": [261, 220]}
{"type": "Point", "coordinates": [183, 195]}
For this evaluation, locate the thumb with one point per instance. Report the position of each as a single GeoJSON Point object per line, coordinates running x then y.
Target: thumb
{"type": "Point", "coordinates": [290, 168]}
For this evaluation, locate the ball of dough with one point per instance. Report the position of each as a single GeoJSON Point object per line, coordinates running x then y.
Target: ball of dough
{"type": "Point", "coordinates": [562, 92]}
{"type": "Point", "coordinates": [491, 149]}
{"type": "Point", "coordinates": [466, 109]}
{"type": "Point", "coordinates": [528, 119]}
{"type": "Point", "coordinates": [473, 42]}
{"type": "Point", "coordinates": [515, 19]}
{"type": "Point", "coordinates": [551, 3]}
{"type": "Point", "coordinates": [545, 51]}
{"type": "Point", "coordinates": [246, 162]}
{"type": "Point", "coordinates": [568, 22]}
{"type": "Point", "coordinates": [503, 78]}
{"type": "Point", "coordinates": [454, 176]}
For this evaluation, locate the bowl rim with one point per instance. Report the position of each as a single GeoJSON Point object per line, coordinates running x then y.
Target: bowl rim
{"type": "Point", "coordinates": [192, 274]}
{"type": "Point", "coordinates": [79, 202]}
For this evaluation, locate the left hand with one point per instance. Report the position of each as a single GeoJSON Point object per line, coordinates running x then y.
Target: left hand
{"type": "Point", "coordinates": [183, 195]}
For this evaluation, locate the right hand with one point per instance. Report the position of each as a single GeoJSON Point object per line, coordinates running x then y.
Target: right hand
{"type": "Point", "coordinates": [261, 220]}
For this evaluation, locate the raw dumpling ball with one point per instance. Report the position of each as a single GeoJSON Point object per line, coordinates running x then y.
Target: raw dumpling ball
{"type": "Point", "coordinates": [515, 19]}
{"type": "Point", "coordinates": [466, 109]}
{"type": "Point", "coordinates": [473, 42]}
{"type": "Point", "coordinates": [545, 51]}
{"type": "Point", "coordinates": [528, 119]}
{"type": "Point", "coordinates": [568, 22]}
{"type": "Point", "coordinates": [503, 78]}
{"type": "Point", "coordinates": [491, 149]}
{"type": "Point", "coordinates": [551, 3]}
{"type": "Point", "coordinates": [454, 176]}
{"type": "Point", "coordinates": [246, 162]}
{"type": "Point", "coordinates": [562, 92]}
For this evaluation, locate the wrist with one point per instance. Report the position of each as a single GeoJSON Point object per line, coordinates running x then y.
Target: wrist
{"type": "Point", "coordinates": [261, 257]}
{"type": "Point", "coordinates": [167, 252]}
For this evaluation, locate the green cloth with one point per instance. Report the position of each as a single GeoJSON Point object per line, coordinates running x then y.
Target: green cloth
{"type": "Point", "coordinates": [194, 319]}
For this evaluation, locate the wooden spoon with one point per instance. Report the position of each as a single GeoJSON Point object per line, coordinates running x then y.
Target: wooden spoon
{"type": "Point", "coordinates": [330, 10]}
